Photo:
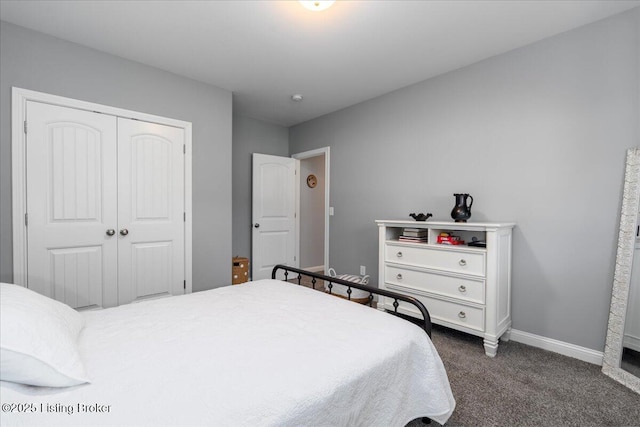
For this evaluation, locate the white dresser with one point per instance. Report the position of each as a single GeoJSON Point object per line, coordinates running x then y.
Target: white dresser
{"type": "Point", "coordinates": [463, 287]}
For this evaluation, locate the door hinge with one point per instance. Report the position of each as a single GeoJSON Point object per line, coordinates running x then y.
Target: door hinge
{"type": "Point", "coordinates": [25, 126]}
{"type": "Point", "coordinates": [294, 258]}
{"type": "Point", "coordinates": [184, 148]}
{"type": "Point", "coordinates": [185, 285]}
{"type": "Point", "coordinates": [184, 216]}
{"type": "Point", "coordinates": [26, 219]}
{"type": "Point", "coordinates": [295, 215]}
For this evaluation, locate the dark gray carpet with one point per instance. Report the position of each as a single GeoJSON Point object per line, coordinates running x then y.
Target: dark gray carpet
{"type": "Point", "coordinates": [527, 386]}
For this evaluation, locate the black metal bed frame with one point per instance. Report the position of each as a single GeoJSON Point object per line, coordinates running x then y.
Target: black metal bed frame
{"type": "Point", "coordinates": [426, 319]}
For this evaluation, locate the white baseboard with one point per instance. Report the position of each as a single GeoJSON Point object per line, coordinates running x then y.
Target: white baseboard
{"type": "Point", "coordinates": [566, 349]}
{"type": "Point", "coordinates": [631, 342]}
{"type": "Point", "coordinates": [316, 269]}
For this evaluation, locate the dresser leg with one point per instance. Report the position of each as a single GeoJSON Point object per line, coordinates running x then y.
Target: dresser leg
{"type": "Point", "coordinates": [506, 336]}
{"type": "Point", "coordinates": [490, 347]}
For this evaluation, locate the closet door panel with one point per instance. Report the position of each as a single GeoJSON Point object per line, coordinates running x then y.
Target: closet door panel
{"type": "Point", "coordinates": [71, 203]}
{"type": "Point", "coordinates": [150, 210]}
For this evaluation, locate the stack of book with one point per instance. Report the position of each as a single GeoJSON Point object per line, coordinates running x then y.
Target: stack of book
{"type": "Point", "coordinates": [416, 235]}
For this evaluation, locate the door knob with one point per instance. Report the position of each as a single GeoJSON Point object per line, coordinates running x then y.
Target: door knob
{"type": "Point", "coordinates": [257, 225]}
{"type": "Point", "coordinates": [111, 232]}
{"type": "Point", "coordinates": [124, 231]}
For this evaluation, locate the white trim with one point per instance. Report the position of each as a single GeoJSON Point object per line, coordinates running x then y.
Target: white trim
{"type": "Point", "coordinates": [19, 98]}
{"type": "Point", "coordinates": [188, 209]}
{"type": "Point", "coordinates": [306, 155]}
{"type": "Point", "coordinates": [566, 349]}
{"type": "Point", "coordinates": [297, 214]}
{"type": "Point", "coordinates": [19, 189]}
{"type": "Point", "coordinates": [31, 95]}
{"type": "Point", "coordinates": [631, 342]}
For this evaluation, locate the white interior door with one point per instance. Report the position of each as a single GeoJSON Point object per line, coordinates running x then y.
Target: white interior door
{"type": "Point", "coordinates": [150, 210]}
{"type": "Point", "coordinates": [71, 205]}
{"type": "Point", "coordinates": [274, 214]}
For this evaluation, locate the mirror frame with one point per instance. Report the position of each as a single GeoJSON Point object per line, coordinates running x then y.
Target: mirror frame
{"type": "Point", "coordinates": [622, 276]}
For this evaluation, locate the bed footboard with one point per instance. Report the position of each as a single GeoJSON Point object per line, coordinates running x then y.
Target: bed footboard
{"type": "Point", "coordinates": [315, 277]}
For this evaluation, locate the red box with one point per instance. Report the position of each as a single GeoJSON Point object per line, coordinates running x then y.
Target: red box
{"type": "Point", "coordinates": [450, 240]}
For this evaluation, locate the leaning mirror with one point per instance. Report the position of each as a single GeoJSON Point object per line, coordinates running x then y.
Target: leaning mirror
{"type": "Point", "coordinates": [622, 348]}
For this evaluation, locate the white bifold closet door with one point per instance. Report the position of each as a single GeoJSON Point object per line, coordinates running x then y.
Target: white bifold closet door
{"type": "Point", "coordinates": [105, 206]}
{"type": "Point", "coordinates": [150, 210]}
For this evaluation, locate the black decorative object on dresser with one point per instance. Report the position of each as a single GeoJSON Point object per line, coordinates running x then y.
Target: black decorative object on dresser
{"type": "Point", "coordinates": [421, 216]}
{"type": "Point", "coordinates": [461, 211]}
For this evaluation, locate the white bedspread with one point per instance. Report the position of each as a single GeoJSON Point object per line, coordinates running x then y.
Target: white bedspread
{"type": "Point", "coordinates": [264, 353]}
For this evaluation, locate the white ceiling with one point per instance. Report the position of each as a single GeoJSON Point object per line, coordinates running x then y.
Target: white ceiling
{"type": "Point", "coordinates": [265, 51]}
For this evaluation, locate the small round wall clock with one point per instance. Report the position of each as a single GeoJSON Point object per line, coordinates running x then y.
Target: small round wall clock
{"type": "Point", "coordinates": [312, 181]}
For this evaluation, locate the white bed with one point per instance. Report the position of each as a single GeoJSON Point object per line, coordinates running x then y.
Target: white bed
{"type": "Point", "coordinates": [265, 353]}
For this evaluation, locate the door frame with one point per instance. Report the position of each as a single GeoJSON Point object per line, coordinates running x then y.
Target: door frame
{"type": "Point", "coordinates": [19, 99]}
{"type": "Point", "coordinates": [324, 151]}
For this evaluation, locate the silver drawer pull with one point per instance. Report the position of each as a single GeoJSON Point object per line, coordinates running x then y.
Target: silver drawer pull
{"type": "Point", "coordinates": [399, 276]}
{"type": "Point", "coordinates": [462, 288]}
{"type": "Point", "coordinates": [399, 254]}
{"type": "Point", "coordinates": [462, 315]}
{"type": "Point", "coordinates": [462, 262]}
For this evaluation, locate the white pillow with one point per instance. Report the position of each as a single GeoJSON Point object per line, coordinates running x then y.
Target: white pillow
{"type": "Point", "coordinates": [38, 339]}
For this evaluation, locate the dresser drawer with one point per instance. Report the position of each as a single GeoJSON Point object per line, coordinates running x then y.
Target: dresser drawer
{"type": "Point", "coordinates": [458, 314]}
{"type": "Point", "coordinates": [464, 289]}
{"type": "Point", "coordinates": [446, 312]}
{"type": "Point", "coordinates": [457, 261]}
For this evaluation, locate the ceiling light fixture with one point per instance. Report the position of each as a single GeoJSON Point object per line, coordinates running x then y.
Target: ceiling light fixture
{"type": "Point", "coordinates": [317, 5]}
{"type": "Point", "coordinates": [297, 97]}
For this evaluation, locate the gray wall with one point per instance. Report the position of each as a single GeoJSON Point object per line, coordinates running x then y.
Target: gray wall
{"type": "Point", "coordinates": [250, 136]}
{"type": "Point", "coordinates": [537, 135]}
{"type": "Point", "coordinates": [312, 213]}
{"type": "Point", "coordinates": [35, 61]}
